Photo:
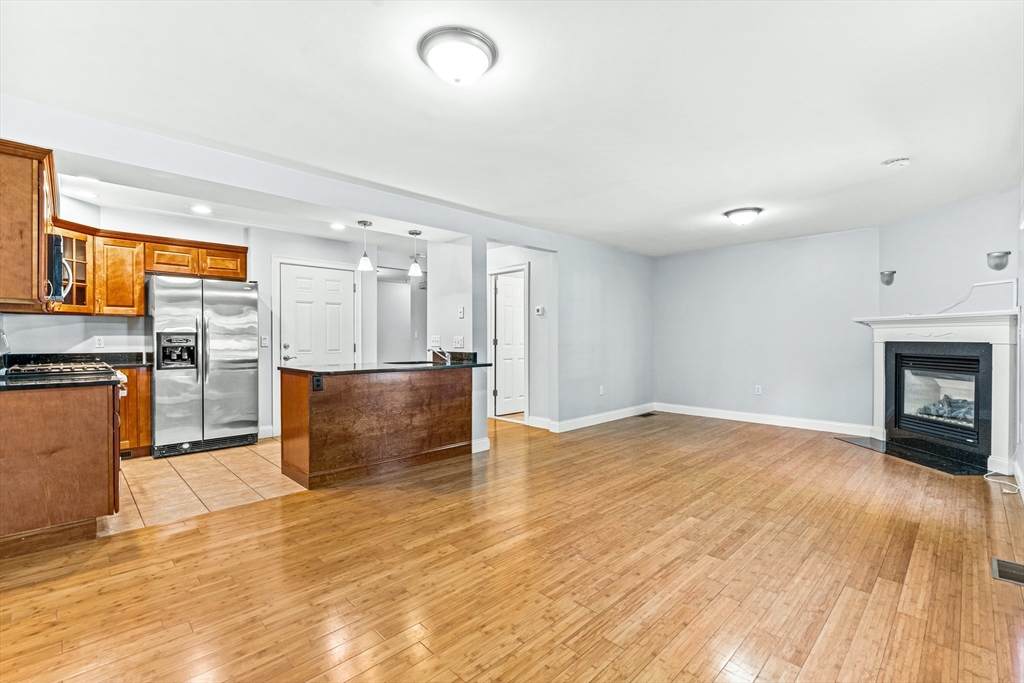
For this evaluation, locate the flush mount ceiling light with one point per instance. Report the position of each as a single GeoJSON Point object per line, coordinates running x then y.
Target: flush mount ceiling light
{"type": "Point", "coordinates": [200, 209]}
{"type": "Point", "coordinates": [743, 216]}
{"type": "Point", "coordinates": [898, 161]}
{"type": "Point", "coordinates": [414, 269]}
{"type": "Point", "coordinates": [364, 262]}
{"type": "Point", "coordinates": [456, 54]}
{"type": "Point", "coordinates": [337, 226]}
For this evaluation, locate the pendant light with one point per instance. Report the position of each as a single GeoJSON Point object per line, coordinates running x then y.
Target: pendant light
{"type": "Point", "coordinates": [414, 269]}
{"type": "Point", "coordinates": [364, 262]}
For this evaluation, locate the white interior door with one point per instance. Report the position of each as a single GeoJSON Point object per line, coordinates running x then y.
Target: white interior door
{"type": "Point", "coordinates": [510, 352]}
{"type": "Point", "coordinates": [317, 316]}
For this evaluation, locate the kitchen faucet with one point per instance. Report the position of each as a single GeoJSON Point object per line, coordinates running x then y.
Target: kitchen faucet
{"type": "Point", "coordinates": [443, 354]}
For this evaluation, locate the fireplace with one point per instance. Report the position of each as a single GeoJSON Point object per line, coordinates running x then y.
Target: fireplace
{"type": "Point", "coordinates": [938, 398]}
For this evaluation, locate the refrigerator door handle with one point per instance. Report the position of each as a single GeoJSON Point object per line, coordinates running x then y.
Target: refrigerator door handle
{"type": "Point", "coordinates": [198, 377]}
{"type": "Point", "coordinates": [206, 348]}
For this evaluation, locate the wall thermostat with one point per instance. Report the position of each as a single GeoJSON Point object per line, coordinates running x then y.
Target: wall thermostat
{"type": "Point", "coordinates": [539, 310]}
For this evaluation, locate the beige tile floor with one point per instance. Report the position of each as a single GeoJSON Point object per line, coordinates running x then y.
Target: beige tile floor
{"type": "Point", "coordinates": [162, 490]}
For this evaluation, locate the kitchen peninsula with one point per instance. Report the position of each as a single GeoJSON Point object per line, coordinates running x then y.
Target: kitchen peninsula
{"type": "Point", "coordinates": [338, 422]}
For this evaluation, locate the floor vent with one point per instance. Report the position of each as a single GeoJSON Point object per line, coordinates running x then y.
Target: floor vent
{"type": "Point", "coordinates": [646, 414]}
{"type": "Point", "coordinates": [1004, 570]}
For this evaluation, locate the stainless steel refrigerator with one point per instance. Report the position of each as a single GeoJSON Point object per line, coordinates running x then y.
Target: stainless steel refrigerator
{"type": "Point", "coordinates": [204, 336]}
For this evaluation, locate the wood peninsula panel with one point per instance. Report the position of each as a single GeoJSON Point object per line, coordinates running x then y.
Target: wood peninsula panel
{"type": "Point", "coordinates": [219, 263]}
{"type": "Point", "coordinates": [57, 476]}
{"type": "Point", "coordinates": [120, 278]}
{"type": "Point", "coordinates": [171, 258]}
{"type": "Point", "coordinates": [371, 422]}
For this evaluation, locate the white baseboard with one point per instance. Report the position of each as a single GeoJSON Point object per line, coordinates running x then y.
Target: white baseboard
{"type": "Point", "coordinates": [878, 433]}
{"type": "Point", "coordinates": [1000, 465]}
{"type": "Point", "coordinates": [1018, 469]}
{"type": "Point", "coordinates": [778, 420]}
{"type": "Point", "coordinates": [599, 418]}
{"type": "Point", "coordinates": [539, 422]}
{"type": "Point", "coordinates": [481, 445]}
{"type": "Point", "coordinates": [266, 431]}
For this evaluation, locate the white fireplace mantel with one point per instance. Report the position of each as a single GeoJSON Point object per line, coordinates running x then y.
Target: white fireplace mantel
{"type": "Point", "coordinates": [998, 328]}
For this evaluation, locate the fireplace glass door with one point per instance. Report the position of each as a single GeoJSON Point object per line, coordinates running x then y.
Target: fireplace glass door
{"type": "Point", "coordinates": [942, 397]}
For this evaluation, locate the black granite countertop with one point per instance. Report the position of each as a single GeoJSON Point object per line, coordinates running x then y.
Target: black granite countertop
{"type": "Point", "coordinates": [61, 383]}
{"type": "Point", "coordinates": [114, 360]}
{"type": "Point", "coordinates": [357, 368]}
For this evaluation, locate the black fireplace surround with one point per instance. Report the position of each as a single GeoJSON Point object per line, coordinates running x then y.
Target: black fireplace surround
{"type": "Point", "coordinates": [938, 399]}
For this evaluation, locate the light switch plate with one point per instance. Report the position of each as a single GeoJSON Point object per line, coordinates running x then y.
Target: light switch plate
{"type": "Point", "coordinates": [435, 340]}
{"type": "Point", "coordinates": [265, 341]}
{"type": "Point", "coordinates": [460, 342]}
{"type": "Point", "coordinates": [462, 312]}
{"type": "Point", "coordinates": [99, 342]}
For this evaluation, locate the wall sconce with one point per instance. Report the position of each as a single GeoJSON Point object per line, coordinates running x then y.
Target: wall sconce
{"type": "Point", "coordinates": [997, 260]}
{"type": "Point", "coordinates": [887, 277]}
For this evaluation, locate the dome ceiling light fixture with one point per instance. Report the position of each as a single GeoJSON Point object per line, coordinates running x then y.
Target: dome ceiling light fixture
{"type": "Point", "coordinates": [458, 55]}
{"type": "Point", "coordinates": [744, 216]}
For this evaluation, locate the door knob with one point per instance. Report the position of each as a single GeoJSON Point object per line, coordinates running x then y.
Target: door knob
{"type": "Point", "coordinates": [289, 357]}
{"type": "Point", "coordinates": [287, 346]}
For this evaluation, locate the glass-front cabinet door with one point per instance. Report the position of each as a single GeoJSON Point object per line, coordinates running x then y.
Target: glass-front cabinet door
{"type": "Point", "coordinates": [77, 272]}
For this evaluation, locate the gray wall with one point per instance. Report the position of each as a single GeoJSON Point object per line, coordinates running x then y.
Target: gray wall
{"type": "Point", "coordinates": [776, 314]}
{"type": "Point", "coordinates": [394, 321]}
{"type": "Point", "coordinates": [939, 254]}
{"type": "Point", "coordinates": [779, 313]}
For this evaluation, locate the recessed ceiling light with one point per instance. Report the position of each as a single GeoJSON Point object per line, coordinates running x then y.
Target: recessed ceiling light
{"type": "Point", "coordinates": [743, 216]}
{"type": "Point", "coordinates": [338, 226]}
{"type": "Point", "coordinates": [898, 161]}
{"type": "Point", "coordinates": [200, 209]}
{"type": "Point", "coordinates": [458, 55]}
{"type": "Point", "coordinates": [84, 194]}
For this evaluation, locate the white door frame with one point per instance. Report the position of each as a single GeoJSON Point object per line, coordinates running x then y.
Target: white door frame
{"type": "Point", "coordinates": [275, 317]}
{"type": "Point", "coordinates": [492, 328]}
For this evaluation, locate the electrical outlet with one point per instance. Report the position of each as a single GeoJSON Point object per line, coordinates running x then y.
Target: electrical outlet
{"type": "Point", "coordinates": [600, 390]}
{"type": "Point", "coordinates": [460, 342]}
{"type": "Point", "coordinates": [98, 342]}
{"type": "Point", "coordinates": [435, 341]}
{"type": "Point", "coordinates": [265, 341]}
{"type": "Point", "coordinates": [757, 389]}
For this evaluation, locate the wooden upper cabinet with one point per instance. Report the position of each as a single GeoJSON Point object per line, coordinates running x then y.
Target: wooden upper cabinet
{"type": "Point", "coordinates": [229, 265]}
{"type": "Point", "coordinates": [27, 203]}
{"type": "Point", "coordinates": [120, 276]}
{"type": "Point", "coordinates": [172, 258]}
{"type": "Point", "coordinates": [77, 274]}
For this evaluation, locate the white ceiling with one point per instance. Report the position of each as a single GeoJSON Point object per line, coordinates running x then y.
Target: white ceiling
{"type": "Point", "coordinates": [636, 124]}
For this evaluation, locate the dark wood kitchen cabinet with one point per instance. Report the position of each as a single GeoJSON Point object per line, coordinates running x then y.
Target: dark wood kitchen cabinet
{"type": "Point", "coordinates": [28, 200]}
{"type": "Point", "coordinates": [136, 431]}
{"type": "Point", "coordinates": [120, 276]}
{"type": "Point", "coordinates": [56, 480]}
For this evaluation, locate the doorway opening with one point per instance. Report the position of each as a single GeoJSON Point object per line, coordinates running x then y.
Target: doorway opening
{"type": "Point", "coordinates": [508, 329]}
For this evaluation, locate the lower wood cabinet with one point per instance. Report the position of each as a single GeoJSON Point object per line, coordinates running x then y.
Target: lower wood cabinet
{"type": "Point", "coordinates": [136, 431]}
{"type": "Point", "coordinates": [119, 279]}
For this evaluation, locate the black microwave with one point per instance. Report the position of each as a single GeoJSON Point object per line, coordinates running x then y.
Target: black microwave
{"type": "Point", "coordinates": [55, 268]}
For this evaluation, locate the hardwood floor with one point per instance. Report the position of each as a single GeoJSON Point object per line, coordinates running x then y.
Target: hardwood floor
{"type": "Point", "coordinates": [648, 549]}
